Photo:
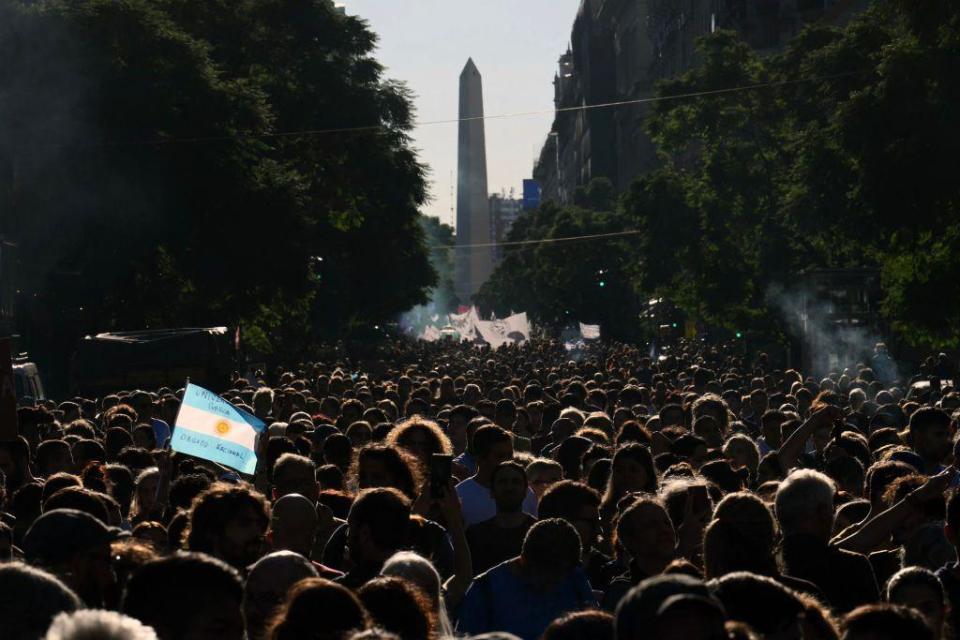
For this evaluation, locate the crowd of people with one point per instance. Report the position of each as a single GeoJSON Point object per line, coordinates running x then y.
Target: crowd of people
{"type": "Point", "coordinates": [528, 492]}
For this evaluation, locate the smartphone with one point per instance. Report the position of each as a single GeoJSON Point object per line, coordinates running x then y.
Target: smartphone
{"type": "Point", "coordinates": [441, 468]}
{"type": "Point", "coordinates": [701, 499]}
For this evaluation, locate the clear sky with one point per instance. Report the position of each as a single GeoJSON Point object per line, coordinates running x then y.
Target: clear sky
{"type": "Point", "coordinates": [515, 45]}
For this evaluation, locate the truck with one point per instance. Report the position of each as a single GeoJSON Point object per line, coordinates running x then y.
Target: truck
{"type": "Point", "coordinates": [151, 359]}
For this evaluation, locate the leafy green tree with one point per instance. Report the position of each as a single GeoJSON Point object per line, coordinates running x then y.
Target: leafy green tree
{"type": "Point", "coordinates": [842, 153]}
{"type": "Point", "coordinates": [154, 171]}
{"type": "Point", "coordinates": [564, 282]}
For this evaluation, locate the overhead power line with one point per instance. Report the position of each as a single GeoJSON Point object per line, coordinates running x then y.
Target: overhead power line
{"type": "Point", "coordinates": [516, 243]}
{"type": "Point", "coordinates": [373, 128]}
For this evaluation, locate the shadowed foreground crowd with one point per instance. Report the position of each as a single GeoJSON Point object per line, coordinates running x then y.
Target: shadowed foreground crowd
{"type": "Point", "coordinates": [701, 495]}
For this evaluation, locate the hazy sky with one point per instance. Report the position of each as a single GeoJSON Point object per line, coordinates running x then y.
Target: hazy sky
{"type": "Point", "coordinates": [515, 45]}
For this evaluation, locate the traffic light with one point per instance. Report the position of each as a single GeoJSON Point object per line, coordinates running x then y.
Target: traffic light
{"type": "Point", "coordinates": [739, 335]}
{"type": "Point", "coordinates": [602, 284]}
{"type": "Point", "coordinates": [675, 325]}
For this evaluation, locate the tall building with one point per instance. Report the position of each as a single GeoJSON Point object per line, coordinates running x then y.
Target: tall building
{"type": "Point", "coordinates": [620, 49]}
{"type": "Point", "coordinates": [581, 145]}
{"type": "Point", "coordinates": [473, 264]}
{"type": "Point", "coordinates": [504, 211]}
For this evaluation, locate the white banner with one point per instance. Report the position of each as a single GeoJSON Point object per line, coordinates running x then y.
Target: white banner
{"type": "Point", "coordinates": [512, 330]}
{"type": "Point", "coordinates": [590, 331]}
{"type": "Point", "coordinates": [465, 324]}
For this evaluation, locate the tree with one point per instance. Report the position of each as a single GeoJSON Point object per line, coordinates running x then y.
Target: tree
{"type": "Point", "coordinates": [559, 282]}
{"type": "Point", "coordinates": [840, 151]}
{"type": "Point", "coordinates": [150, 156]}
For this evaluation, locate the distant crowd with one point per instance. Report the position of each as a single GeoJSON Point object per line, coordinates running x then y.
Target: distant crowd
{"type": "Point", "coordinates": [446, 491]}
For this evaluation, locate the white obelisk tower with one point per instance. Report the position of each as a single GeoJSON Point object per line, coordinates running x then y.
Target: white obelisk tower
{"type": "Point", "coordinates": [473, 264]}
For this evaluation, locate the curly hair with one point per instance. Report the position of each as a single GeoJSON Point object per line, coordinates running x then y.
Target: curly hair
{"type": "Point", "coordinates": [400, 436]}
{"type": "Point", "coordinates": [212, 510]}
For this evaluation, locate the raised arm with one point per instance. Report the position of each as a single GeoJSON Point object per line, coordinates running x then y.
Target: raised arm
{"type": "Point", "coordinates": [790, 450]}
{"type": "Point", "coordinates": [876, 531]}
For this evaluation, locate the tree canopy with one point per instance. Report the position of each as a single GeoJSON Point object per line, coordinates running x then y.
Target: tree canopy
{"type": "Point", "coordinates": [842, 156]}
{"type": "Point", "coordinates": [171, 162]}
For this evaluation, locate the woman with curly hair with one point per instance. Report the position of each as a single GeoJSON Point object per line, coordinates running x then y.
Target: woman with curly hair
{"type": "Point", "coordinates": [421, 438]}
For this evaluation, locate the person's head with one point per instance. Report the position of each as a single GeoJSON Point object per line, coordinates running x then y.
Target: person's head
{"type": "Point", "coordinates": [337, 450]}
{"type": "Point", "coordinates": [542, 474]}
{"type": "Point", "coordinates": [75, 546]}
{"type": "Point", "coordinates": [54, 456]}
{"type": "Point", "coordinates": [632, 470]}
{"type": "Point", "coordinates": [385, 466]}
{"type": "Point", "coordinates": [706, 427]}
{"type": "Point", "coordinates": [637, 611]}
{"type": "Point", "coordinates": [491, 446]}
{"type": "Point", "coordinates": [645, 531]}
{"type": "Point", "coordinates": [418, 571]}
{"type": "Point", "coordinates": [267, 584]}
{"type": "Point", "coordinates": [360, 433]}
{"type": "Point", "coordinates": [377, 526]}
{"type": "Point", "coordinates": [779, 616]}
{"type": "Point", "coordinates": [880, 476]}
{"type": "Point", "coordinates": [293, 473]}
{"type": "Point", "coordinates": [263, 402]}
{"type": "Point", "coordinates": [886, 622]}
{"type": "Point", "coordinates": [804, 504]}
{"type": "Point", "coordinates": [397, 606]}
{"type": "Point", "coordinates": [689, 617]}
{"type": "Point", "coordinates": [690, 448]}
{"type": "Point", "coordinates": [930, 434]}
{"type": "Point", "coordinates": [145, 492]}
{"type": "Point", "coordinates": [576, 503]}
{"type": "Point", "coordinates": [508, 486]}
{"type": "Point", "coordinates": [144, 437]}
{"type": "Point", "coordinates": [569, 454]}
{"type": "Point", "coordinates": [712, 406]}
{"type": "Point", "coordinates": [421, 438]}
{"type": "Point", "coordinates": [29, 600]}
{"type": "Point", "coordinates": [582, 625]}
{"type": "Point", "coordinates": [922, 591]}
{"type": "Point", "coordinates": [99, 624]}
{"type": "Point", "coordinates": [228, 522]}
{"type": "Point", "coordinates": [459, 418]}
{"type": "Point", "coordinates": [293, 524]}
{"type": "Point", "coordinates": [742, 453]}
{"type": "Point", "coordinates": [201, 598]}
{"type": "Point", "coordinates": [297, 618]}
{"type": "Point", "coordinates": [551, 550]}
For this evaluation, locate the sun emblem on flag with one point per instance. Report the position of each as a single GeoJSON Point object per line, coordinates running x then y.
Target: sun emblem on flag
{"type": "Point", "coordinates": [223, 427]}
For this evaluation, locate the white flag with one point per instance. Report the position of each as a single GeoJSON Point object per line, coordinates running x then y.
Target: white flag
{"type": "Point", "coordinates": [590, 331]}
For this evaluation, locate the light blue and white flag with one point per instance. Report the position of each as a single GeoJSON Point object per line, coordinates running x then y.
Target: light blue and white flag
{"type": "Point", "coordinates": [209, 427]}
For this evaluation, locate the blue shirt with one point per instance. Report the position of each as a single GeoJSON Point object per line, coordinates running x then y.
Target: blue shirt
{"type": "Point", "coordinates": [161, 430]}
{"type": "Point", "coordinates": [500, 600]}
{"type": "Point", "coordinates": [468, 462]}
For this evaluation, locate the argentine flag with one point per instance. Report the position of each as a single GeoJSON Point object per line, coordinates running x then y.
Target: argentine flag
{"type": "Point", "coordinates": [209, 427]}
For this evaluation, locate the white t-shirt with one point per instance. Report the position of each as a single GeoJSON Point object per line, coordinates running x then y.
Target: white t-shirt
{"type": "Point", "coordinates": [478, 504]}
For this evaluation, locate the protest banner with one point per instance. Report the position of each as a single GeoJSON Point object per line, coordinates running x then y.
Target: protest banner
{"type": "Point", "coordinates": [590, 331]}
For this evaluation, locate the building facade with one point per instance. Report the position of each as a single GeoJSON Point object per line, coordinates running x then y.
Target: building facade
{"type": "Point", "coordinates": [619, 49]}
{"type": "Point", "coordinates": [504, 211]}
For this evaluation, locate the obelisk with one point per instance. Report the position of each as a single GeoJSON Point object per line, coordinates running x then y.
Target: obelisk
{"type": "Point", "coordinates": [474, 264]}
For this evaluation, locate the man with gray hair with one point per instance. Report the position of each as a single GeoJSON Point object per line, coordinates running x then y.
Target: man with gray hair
{"type": "Point", "coordinates": [99, 624]}
{"type": "Point", "coordinates": [805, 510]}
